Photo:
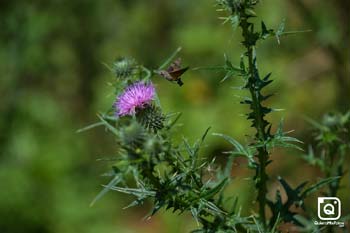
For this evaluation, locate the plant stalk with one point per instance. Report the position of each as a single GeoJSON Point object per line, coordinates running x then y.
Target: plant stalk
{"type": "Point", "coordinates": [260, 123]}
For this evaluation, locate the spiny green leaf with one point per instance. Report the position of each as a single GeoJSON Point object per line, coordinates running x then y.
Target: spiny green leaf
{"type": "Point", "coordinates": [307, 225]}
{"type": "Point", "coordinates": [205, 134]}
{"type": "Point", "coordinates": [211, 192]}
{"type": "Point", "coordinates": [319, 185]}
{"type": "Point", "coordinates": [250, 12]}
{"type": "Point", "coordinates": [133, 191]}
{"type": "Point", "coordinates": [195, 214]}
{"type": "Point", "coordinates": [137, 202]}
{"type": "Point", "coordinates": [234, 21]}
{"type": "Point", "coordinates": [106, 188]}
{"type": "Point", "coordinates": [90, 127]}
{"type": "Point", "coordinates": [108, 117]}
{"type": "Point", "coordinates": [286, 186]}
{"type": "Point", "coordinates": [218, 68]}
{"type": "Point", "coordinates": [240, 149]}
{"type": "Point", "coordinates": [196, 148]}
{"type": "Point", "coordinates": [265, 33]}
{"type": "Point", "coordinates": [109, 126]}
{"type": "Point", "coordinates": [280, 30]}
{"type": "Point", "coordinates": [211, 206]}
{"type": "Point", "coordinates": [173, 122]}
{"type": "Point", "coordinates": [263, 27]}
{"type": "Point", "coordinates": [316, 124]}
{"type": "Point", "coordinates": [188, 147]}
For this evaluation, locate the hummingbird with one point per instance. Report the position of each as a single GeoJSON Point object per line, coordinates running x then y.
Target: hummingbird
{"type": "Point", "coordinates": [173, 72]}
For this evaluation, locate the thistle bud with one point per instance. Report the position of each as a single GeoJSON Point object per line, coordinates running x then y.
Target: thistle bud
{"type": "Point", "coordinates": [124, 67]}
{"type": "Point", "coordinates": [151, 118]}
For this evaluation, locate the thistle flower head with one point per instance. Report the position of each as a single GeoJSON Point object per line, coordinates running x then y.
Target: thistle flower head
{"type": "Point", "coordinates": [124, 67]}
{"type": "Point", "coordinates": [136, 96]}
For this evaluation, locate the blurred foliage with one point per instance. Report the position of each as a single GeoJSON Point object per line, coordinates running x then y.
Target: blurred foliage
{"type": "Point", "coordinates": [53, 82]}
{"type": "Point", "coordinates": [329, 151]}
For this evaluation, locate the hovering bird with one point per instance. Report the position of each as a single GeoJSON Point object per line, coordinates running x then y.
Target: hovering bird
{"type": "Point", "coordinates": [174, 72]}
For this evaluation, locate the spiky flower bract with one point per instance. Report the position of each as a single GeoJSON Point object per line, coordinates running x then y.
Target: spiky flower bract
{"type": "Point", "coordinates": [151, 118]}
{"type": "Point", "coordinates": [135, 96]}
{"type": "Point", "coordinates": [124, 67]}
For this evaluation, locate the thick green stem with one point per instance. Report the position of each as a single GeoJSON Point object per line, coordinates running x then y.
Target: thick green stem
{"type": "Point", "coordinates": [259, 121]}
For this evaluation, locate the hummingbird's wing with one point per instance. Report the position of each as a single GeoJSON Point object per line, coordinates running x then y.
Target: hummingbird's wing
{"type": "Point", "coordinates": [177, 73]}
{"type": "Point", "coordinates": [176, 65]}
{"type": "Point", "coordinates": [165, 74]}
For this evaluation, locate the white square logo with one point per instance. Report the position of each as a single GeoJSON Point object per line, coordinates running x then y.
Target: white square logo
{"type": "Point", "coordinates": [329, 208]}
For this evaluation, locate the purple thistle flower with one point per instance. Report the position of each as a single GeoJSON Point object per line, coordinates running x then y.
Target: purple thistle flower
{"type": "Point", "coordinates": [137, 95]}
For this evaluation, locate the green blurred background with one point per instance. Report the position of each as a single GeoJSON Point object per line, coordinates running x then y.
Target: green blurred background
{"type": "Point", "coordinates": [53, 82]}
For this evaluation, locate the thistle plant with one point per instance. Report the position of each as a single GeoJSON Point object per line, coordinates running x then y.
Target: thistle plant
{"type": "Point", "coordinates": [152, 166]}
{"type": "Point", "coordinates": [241, 15]}
{"type": "Point", "coordinates": [330, 146]}
{"type": "Point", "coordinates": [328, 151]}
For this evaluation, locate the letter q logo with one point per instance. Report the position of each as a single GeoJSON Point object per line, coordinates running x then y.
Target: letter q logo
{"type": "Point", "coordinates": [329, 208]}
